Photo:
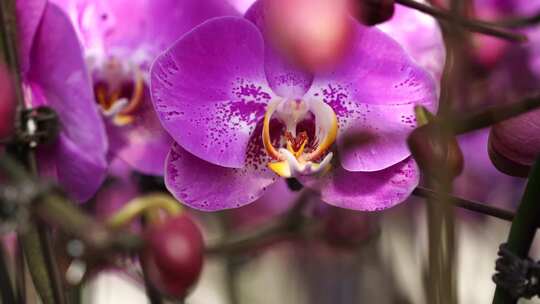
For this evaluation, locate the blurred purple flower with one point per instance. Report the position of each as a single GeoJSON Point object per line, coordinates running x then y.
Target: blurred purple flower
{"type": "Point", "coordinates": [241, 117]}
{"type": "Point", "coordinates": [121, 38]}
{"type": "Point", "coordinates": [515, 143]}
{"type": "Point", "coordinates": [54, 74]}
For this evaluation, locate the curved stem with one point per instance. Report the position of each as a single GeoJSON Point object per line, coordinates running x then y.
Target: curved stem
{"type": "Point", "coordinates": [149, 205]}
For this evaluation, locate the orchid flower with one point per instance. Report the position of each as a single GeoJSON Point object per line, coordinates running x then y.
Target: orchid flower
{"type": "Point", "coordinates": [514, 144]}
{"type": "Point", "coordinates": [242, 117]}
{"type": "Point", "coordinates": [119, 45]}
{"type": "Point", "coordinates": [54, 74]}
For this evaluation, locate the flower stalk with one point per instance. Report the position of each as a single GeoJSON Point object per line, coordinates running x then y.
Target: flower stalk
{"type": "Point", "coordinates": [523, 227]}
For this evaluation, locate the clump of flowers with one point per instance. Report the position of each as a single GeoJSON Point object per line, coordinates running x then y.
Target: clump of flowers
{"type": "Point", "coordinates": [242, 117]}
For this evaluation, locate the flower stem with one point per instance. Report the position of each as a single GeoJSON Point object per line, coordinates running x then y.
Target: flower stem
{"type": "Point", "coordinates": [523, 227]}
{"type": "Point", "coordinates": [36, 240]}
{"type": "Point", "coordinates": [469, 24]}
{"type": "Point", "coordinates": [434, 196]}
{"type": "Point", "coordinates": [148, 205]}
{"type": "Point", "coordinates": [6, 288]}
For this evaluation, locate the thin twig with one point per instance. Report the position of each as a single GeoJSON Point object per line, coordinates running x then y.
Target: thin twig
{"type": "Point", "coordinates": [494, 115]}
{"type": "Point", "coordinates": [465, 204]}
{"type": "Point", "coordinates": [469, 24]}
{"type": "Point", "coordinates": [520, 22]}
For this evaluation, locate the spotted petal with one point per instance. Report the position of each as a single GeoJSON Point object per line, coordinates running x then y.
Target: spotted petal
{"type": "Point", "coordinates": [209, 89]}
{"type": "Point", "coordinates": [369, 191]}
{"type": "Point", "coordinates": [205, 186]}
{"type": "Point", "coordinates": [373, 92]}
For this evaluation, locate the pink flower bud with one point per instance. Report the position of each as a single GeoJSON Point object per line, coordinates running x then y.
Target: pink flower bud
{"type": "Point", "coordinates": [313, 33]}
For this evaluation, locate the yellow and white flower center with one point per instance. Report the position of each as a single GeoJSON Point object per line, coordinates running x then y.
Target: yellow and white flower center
{"type": "Point", "coordinates": [118, 89]}
{"type": "Point", "coordinates": [294, 159]}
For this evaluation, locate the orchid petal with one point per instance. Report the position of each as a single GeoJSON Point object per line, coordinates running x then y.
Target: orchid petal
{"type": "Point", "coordinates": [284, 77]}
{"type": "Point", "coordinates": [373, 92]}
{"type": "Point", "coordinates": [58, 69]}
{"type": "Point", "coordinates": [209, 89]}
{"type": "Point", "coordinates": [368, 191]}
{"type": "Point", "coordinates": [205, 186]}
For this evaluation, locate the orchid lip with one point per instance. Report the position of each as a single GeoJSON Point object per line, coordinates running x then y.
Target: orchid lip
{"type": "Point", "coordinates": [113, 101]}
{"type": "Point", "coordinates": [294, 160]}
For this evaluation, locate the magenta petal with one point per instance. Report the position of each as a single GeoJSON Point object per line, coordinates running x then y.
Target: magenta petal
{"type": "Point", "coordinates": [420, 35]}
{"type": "Point", "coordinates": [58, 69]}
{"type": "Point", "coordinates": [209, 89]}
{"type": "Point", "coordinates": [373, 92]}
{"type": "Point", "coordinates": [370, 191]}
{"type": "Point", "coordinates": [78, 174]}
{"type": "Point", "coordinates": [205, 186]}
{"type": "Point", "coordinates": [374, 137]}
{"type": "Point", "coordinates": [284, 77]}
{"type": "Point", "coordinates": [170, 19]}
{"type": "Point", "coordinates": [144, 144]}
{"type": "Point", "coordinates": [29, 13]}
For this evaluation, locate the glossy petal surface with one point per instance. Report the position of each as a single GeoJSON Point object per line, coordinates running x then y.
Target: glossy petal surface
{"type": "Point", "coordinates": [369, 191]}
{"type": "Point", "coordinates": [209, 89]}
{"type": "Point", "coordinates": [205, 186]}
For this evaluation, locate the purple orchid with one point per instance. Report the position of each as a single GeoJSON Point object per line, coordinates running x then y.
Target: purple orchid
{"type": "Point", "coordinates": [514, 144]}
{"type": "Point", "coordinates": [119, 45]}
{"type": "Point", "coordinates": [241, 117]}
{"type": "Point", "coordinates": [54, 74]}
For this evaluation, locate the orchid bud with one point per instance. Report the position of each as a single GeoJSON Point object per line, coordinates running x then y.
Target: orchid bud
{"type": "Point", "coordinates": [313, 33]}
{"type": "Point", "coordinates": [372, 12]}
{"type": "Point", "coordinates": [514, 144]}
{"type": "Point", "coordinates": [173, 256]}
{"type": "Point", "coordinates": [436, 152]}
{"type": "Point", "coordinates": [7, 104]}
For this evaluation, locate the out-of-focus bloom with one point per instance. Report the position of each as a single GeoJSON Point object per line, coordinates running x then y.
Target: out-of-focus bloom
{"type": "Point", "coordinates": [54, 74]}
{"type": "Point", "coordinates": [515, 143]}
{"type": "Point", "coordinates": [7, 103]}
{"type": "Point", "coordinates": [120, 44]}
{"type": "Point", "coordinates": [313, 33]}
{"type": "Point", "coordinates": [241, 117]}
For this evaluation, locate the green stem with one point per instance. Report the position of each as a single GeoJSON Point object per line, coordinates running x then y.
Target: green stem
{"type": "Point", "coordinates": [31, 244]}
{"type": "Point", "coordinates": [524, 226]}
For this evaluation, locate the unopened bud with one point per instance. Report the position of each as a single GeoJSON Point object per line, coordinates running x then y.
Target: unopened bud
{"type": "Point", "coordinates": [372, 12]}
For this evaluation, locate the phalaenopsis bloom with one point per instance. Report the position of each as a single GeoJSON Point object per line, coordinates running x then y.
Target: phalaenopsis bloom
{"type": "Point", "coordinates": [54, 74]}
{"type": "Point", "coordinates": [242, 117]}
{"type": "Point", "coordinates": [515, 143]}
{"type": "Point", "coordinates": [121, 38]}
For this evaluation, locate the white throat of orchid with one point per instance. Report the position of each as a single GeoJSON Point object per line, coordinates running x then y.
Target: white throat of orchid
{"type": "Point", "coordinates": [295, 159]}
{"type": "Point", "coordinates": [118, 88]}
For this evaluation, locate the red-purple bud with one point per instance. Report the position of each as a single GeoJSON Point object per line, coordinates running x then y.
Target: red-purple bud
{"type": "Point", "coordinates": [373, 12]}
{"type": "Point", "coordinates": [173, 256]}
{"type": "Point", "coordinates": [436, 152]}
